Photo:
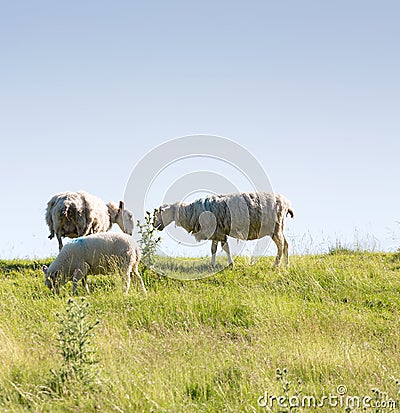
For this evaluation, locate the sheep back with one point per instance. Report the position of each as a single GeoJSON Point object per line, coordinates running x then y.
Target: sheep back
{"type": "Point", "coordinates": [75, 214]}
{"type": "Point", "coordinates": [96, 253]}
{"type": "Point", "coordinates": [247, 216]}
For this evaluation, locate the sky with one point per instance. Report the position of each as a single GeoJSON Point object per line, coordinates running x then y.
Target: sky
{"type": "Point", "coordinates": [310, 88]}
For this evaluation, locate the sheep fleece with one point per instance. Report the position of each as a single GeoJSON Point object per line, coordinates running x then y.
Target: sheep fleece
{"type": "Point", "coordinates": [247, 216]}
{"type": "Point", "coordinates": [98, 252]}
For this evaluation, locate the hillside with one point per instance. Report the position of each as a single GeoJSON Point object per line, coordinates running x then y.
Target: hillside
{"type": "Point", "coordinates": [210, 345]}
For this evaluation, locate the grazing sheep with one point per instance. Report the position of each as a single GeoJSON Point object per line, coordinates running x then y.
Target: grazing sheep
{"type": "Point", "coordinates": [246, 216]}
{"type": "Point", "coordinates": [76, 214]}
{"type": "Point", "coordinates": [94, 254]}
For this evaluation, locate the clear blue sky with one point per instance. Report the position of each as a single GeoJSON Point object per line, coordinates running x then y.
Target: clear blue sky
{"type": "Point", "coordinates": [311, 88]}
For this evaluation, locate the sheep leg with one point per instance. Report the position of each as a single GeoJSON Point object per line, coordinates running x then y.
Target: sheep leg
{"type": "Point", "coordinates": [85, 284]}
{"type": "Point", "coordinates": [214, 245]}
{"type": "Point", "coordinates": [279, 241]}
{"type": "Point", "coordinates": [56, 286]}
{"type": "Point", "coordinates": [286, 250]}
{"type": "Point", "coordinates": [136, 272]}
{"type": "Point", "coordinates": [76, 276]}
{"type": "Point", "coordinates": [127, 276]}
{"type": "Point", "coordinates": [128, 280]}
{"type": "Point", "coordinates": [225, 247]}
{"type": "Point", "coordinates": [60, 244]}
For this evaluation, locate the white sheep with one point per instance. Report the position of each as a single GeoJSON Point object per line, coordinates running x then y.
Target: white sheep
{"type": "Point", "coordinates": [94, 254]}
{"type": "Point", "coordinates": [76, 214]}
{"type": "Point", "coordinates": [246, 216]}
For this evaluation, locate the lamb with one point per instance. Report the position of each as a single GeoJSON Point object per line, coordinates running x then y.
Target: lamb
{"type": "Point", "coordinates": [94, 254]}
{"type": "Point", "coordinates": [246, 216]}
{"type": "Point", "coordinates": [77, 214]}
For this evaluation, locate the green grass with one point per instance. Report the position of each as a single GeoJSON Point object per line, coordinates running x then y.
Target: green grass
{"type": "Point", "coordinates": [209, 345]}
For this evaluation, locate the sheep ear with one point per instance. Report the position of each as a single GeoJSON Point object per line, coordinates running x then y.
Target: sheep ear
{"type": "Point", "coordinates": [121, 206]}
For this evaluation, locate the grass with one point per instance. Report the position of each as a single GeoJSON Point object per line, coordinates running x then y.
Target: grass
{"type": "Point", "coordinates": [212, 344]}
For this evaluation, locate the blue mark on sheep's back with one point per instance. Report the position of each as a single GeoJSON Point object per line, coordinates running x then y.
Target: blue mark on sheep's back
{"type": "Point", "coordinates": [78, 241]}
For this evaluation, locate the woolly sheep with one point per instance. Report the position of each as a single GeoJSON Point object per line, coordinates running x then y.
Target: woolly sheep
{"type": "Point", "coordinates": [76, 214]}
{"type": "Point", "coordinates": [94, 254]}
{"type": "Point", "coordinates": [246, 216]}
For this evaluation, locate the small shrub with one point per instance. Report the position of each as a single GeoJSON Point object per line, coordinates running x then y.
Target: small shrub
{"type": "Point", "coordinates": [74, 343]}
{"type": "Point", "coordinates": [148, 239]}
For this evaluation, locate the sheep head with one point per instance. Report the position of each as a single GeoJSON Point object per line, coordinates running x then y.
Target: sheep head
{"type": "Point", "coordinates": [50, 278]}
{"type": "Point", "coordinates": [121, 216]}
{"type": "Point", "coordinates": [164, 215]}
{"type": "Point", "coordinates": [125, 219]}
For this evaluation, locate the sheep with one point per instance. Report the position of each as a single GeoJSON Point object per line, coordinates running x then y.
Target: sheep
{"type": "Point", "coordinates": [76, 214]}
{"type": "Point", "coordinates": [246, 216]}
{"type": "Point", "coordinates": [94, 254]}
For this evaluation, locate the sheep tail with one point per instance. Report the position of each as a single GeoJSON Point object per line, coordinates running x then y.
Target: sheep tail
{"type": "Point", "coordinates": [64, 210]}
{"type": "Point", "coordinates": [69, 211]}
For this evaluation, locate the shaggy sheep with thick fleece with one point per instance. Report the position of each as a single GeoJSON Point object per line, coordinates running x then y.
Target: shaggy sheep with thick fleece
{"type": "Point", "coordinates": [94, 254]}
{"type": "Point", "coordinates": [246, 216]}
{"type": "Point", "coordinates": [77, 214]}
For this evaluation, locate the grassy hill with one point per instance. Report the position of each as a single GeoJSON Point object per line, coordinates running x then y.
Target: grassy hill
{"type": "Point", "coordinates": [227, 343]}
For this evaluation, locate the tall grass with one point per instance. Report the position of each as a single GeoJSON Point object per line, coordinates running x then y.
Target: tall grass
{"type": "Point", "coordinates": [212, 344]}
